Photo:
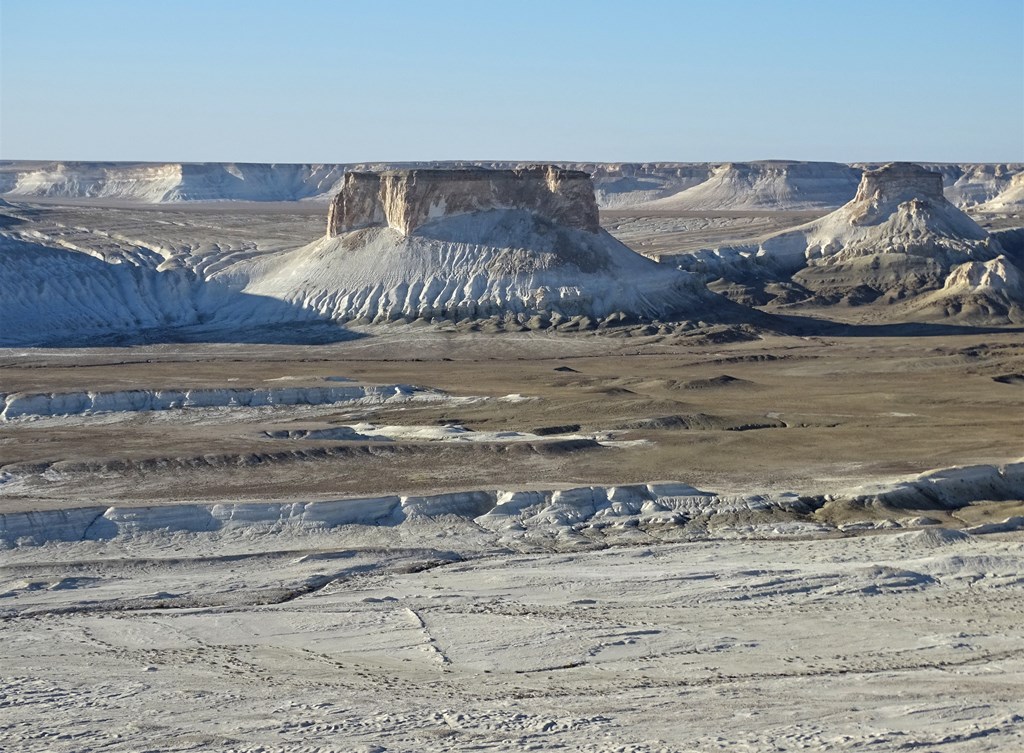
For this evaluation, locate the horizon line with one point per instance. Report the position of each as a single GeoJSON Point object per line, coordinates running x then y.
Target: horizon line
{"type": "Point", "coordinates": [50, 160]}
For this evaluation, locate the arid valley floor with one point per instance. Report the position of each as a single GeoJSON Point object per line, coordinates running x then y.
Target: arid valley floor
{"type": "Point", "coordinates": [801, 533]}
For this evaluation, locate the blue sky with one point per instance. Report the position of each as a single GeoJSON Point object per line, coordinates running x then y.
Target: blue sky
{"type": "Point", "coordinates": [355, 80]}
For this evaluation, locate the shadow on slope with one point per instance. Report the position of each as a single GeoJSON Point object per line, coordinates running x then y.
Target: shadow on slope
{"type": "Point", "coordinates": [52, 297]}
{"type": "Point", "coordinates": [807, 326]}
{"type": "Point", "coordinates": [275, 333]}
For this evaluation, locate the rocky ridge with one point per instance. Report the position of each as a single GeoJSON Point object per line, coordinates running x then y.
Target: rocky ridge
{"type": "Point", "coordinates": [759, 185]}
{"type": "Point", "coordinates": [559, 518]}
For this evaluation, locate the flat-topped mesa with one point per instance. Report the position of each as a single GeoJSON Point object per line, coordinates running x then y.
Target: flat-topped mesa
{"type": "Point", "coordinates": [898, 182]}
{"type": "Point", "coordinates": [406, 199]}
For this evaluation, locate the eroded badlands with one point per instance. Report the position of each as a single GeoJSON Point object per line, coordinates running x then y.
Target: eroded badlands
{"type": "Point", "coordinates": [246, 507]}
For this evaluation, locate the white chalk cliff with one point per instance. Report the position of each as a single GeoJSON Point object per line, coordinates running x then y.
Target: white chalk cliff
{"type": "Point", "coordinates": [1011, 198]}
{"type": "Point", "coordinates": [407, 199]}
{"type": "Point", "coordinates": [514, 517]}
{"type": "Point", "coordinates": [520, 248]}
{"type": "Point", "coordinates": [520, 245]}
{"type": "Point", "coordinates": [156, 183]}
{"type": "Point", "coordinates": [766, 186]}
{"type": "Point", "coordinates": [897, 238]}
{"type": "Point", "coordinates": [704, 186]}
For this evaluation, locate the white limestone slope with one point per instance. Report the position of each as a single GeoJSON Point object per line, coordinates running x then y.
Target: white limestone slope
{"type": "Point", "coordinates": [1011, 198]}
{"type": "Point", "coordinates": [514, 264]}
{"type": "Point", "coordinates": [896, 212]}
{"type": "Point", "coordinates": [985, 291]}
{"type": "Point", "coordinates": [47, 292]}
{"type": "Point", "coordinates": [486, 264]}
{"type": "Point", "coordinates": [56, 292]}
{"type": "Point", "coordinates": [766, 186]}
{"type": "Point", "coordinates": [169, 182]}
{"type": "Point", "coordinates": [571, 516]}
{"type": "Point", "coordinates": [503, 264]}
{"type": "Point", "coordinates": [29, 405]}
{"type": "Point", "coordinates": [898, 209]}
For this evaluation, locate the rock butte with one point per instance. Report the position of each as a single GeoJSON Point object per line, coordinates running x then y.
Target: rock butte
{"type": "Point", "coordinates": [902, 208]}
{"type": "Point", "coordinates": [407, 199]}
{"type": "Point", "coordinates": [899, 181]}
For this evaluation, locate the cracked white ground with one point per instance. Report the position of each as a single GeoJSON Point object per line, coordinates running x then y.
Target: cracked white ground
{"type": "Point", "coordinates": [391, 639]}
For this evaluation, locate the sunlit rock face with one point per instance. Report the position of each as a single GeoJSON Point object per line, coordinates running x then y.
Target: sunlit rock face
{"type": "Point", "coordinates": [999, 274]}
{"type": "Point", "coordinates": [896, 183]}
{"type": "Point", "coordinates": [521, 246]}
{"type": "Point", "coordinates": [407, 199]}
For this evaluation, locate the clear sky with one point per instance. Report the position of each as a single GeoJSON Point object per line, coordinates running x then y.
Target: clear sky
{"type": "Point", "coordinates": [601, 80]}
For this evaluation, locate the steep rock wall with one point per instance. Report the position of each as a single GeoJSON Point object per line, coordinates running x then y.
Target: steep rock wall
{"type": "Point", "coordinates": [406, 199]}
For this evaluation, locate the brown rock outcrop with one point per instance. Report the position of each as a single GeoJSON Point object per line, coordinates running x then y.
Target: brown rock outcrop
{"type": "Point", "coordinates": [406, 199]}
{"type": "Point", "coordinates": [899, 181]}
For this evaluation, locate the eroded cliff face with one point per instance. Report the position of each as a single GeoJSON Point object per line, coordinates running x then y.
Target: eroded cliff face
{"type": "Point", "coordinates": [898, 182]}
{"type": "Point", "coordinates": [406, 199]}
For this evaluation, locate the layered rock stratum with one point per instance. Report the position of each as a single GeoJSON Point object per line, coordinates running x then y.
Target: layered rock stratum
{"type": "Point", "coordinates": [518, 248]}
{"type": "Point", "coordinates": [767, 185]}
{"type": "Point", "coordinates": [691, 186]}
{"type": "Point", "coordinates": [899, 208]}
{"type": "Point", "coordinates": [523, 246]}
{"type": "Point", "coordinates": [1010, 199]}
{"type": "Point", "coordinates": [407, 199]}
{"type": "Point", "coordinates": [899, 237]}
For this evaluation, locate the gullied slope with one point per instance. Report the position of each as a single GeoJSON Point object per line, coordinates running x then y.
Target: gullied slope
{"type": "Point", "coordinates": [169, 182]}
{"type": "Point", "coordinates": [767, 185]}
{"type": "Point", "coordinates": [496, 263]}
{"type": "Point", "coordinates": [523, 246]}
{"type": "Point", "coordinates": [56, 295]}
{"type": "Point", "coordinates": [899, 208]}
{"type": "Point", "coordinates": [898, 238]}
{"type": "Point", "coordinates": [980, 291]}
{"type": "Point", "coordinates": [48, 291]}
{"type": "Point", "coordinates": [520, 247]}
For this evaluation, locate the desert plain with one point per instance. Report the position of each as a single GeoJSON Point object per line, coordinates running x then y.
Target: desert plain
{"type": "Point", "coordinates": [801, 532]}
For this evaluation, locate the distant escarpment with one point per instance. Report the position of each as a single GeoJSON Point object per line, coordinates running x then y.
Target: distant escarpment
{"type": "Point", "coordinates": [773, 185]}
{"type": "Point", "coordinates": [898, 241]}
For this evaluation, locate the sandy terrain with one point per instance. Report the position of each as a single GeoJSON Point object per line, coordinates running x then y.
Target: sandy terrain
{"type": "Point", "coordinates": [782, 413]}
